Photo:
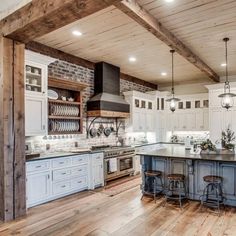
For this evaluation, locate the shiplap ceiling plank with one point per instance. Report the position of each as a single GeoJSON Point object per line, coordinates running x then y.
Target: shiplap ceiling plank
{"type": "Point", "coordinates": [201, 25]}
{"type": "Point", "coordinates": [112, 36]}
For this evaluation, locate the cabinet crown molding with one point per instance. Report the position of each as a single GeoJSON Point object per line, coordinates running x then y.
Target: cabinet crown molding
{"type": "Point", "coordinates": [39, 58]}
{"type": "Point", "coordinates": [138, 94]}
{"type": "Point", "coordinates": [219, 86]}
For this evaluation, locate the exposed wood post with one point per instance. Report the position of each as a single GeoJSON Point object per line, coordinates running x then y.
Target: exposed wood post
{"type": "Point", "coordinates": [12, 130]}
{"type": "Point", "coordinates": [150, 23]}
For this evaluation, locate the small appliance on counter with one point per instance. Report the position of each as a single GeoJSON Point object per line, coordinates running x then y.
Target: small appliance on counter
{"type": "Point", "coordinates": [187, 143]}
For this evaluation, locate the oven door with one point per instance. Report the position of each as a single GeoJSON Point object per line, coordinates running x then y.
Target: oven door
{"type": "Point", "coordinates": [107, 174]}
{"type": "Point", "coordinates": [126, 164]}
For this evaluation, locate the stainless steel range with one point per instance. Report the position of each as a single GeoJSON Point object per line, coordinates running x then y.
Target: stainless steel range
{"type": "Point", "coordinates": [118, 161]}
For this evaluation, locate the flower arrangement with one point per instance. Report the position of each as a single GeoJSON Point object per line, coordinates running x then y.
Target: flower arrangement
{"type": "Point", "coordinates": [208, 146]}
{"type": "Point", "coordinates": [227, 137]}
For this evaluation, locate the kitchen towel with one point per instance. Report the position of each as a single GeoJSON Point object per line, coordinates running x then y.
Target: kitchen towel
{"type": "Point", "coordinates": [112, 164]}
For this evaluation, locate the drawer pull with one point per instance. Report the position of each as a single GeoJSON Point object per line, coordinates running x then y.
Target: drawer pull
{"type": "Point", "coordinates": [80, 170]}
{"type": "Point", "coordinates": [63, 173]}
{"type": "Point", "coordinates": [61, 162]}
{"type": "Point", "coordinates": [38, 166]}
{"type": "Point", "coordinates": [80, 160]}
{"type": "Point", "coordinates": [79, 182]}
{"type": "Point", "coordinates": [97, 157]}
{"type": "Point", "coordinates": [63, 186]}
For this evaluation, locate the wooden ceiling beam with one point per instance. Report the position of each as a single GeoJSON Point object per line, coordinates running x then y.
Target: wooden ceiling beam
{"type": "Point", "coordinates": [40, 17]}
{"type": "Point", "coordinates": [150, 23]}
{"type": "Point", "coordinates": [60, 55]}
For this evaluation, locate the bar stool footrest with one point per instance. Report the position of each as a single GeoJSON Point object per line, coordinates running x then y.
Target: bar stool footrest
{"type": "Point", "coordinates": [175, 197]}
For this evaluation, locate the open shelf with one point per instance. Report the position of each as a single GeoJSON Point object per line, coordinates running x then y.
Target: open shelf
{"type": "Point", "coordinates": [68, 89]}
{"type": "Point", "coordinates": [63, 132]}
{"type": "Point", "coordinates": [64, 102]}
{"type": "Point", "coordinates": [65, 117]}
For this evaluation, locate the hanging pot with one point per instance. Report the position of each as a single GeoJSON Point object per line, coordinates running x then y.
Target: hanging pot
{"type": "Point", "coordinates": [107, 131]}
{"type": "Point", "coordinates": [100, 130]}
{"type": "Point", "coordinates": [93, 132]}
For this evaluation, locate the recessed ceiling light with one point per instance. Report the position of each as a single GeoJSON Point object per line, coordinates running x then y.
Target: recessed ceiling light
{"type": "Point", "coordinates": [169, 0]}
{"type": "Point", "coordinates": [76, 33]}
{"type": "Point", "coordinates": [132, 59]}
{"type": "Point", "coordinates": [163, 73]}
{"type": "Point", "coordinates": [223, 64]}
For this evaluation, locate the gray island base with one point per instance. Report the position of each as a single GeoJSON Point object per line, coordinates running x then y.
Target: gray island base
{"type": "Point", "coordinates": [173, 158]}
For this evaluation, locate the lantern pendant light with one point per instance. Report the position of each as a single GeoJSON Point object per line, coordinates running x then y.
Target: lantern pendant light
{"type": "Point", "coordinates": [227, 97]}
{"type": "Point", "coordinates": [173, 100]}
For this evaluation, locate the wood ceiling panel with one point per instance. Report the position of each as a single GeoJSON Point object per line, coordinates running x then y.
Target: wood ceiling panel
{"type": "Point", "coordinates": [111, 36]}
{"type": "Point", "coordinates": [201, 25]}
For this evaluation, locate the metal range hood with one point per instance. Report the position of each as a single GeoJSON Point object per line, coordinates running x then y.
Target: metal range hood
{"type": "Point", "coordinates": [107, 101]}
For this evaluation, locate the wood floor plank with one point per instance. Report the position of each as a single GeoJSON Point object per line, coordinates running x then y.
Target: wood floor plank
{"type": "Point", "coordinates": [97, 214]}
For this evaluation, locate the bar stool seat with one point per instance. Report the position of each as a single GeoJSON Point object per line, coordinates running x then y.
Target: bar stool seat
{"type": "Point", "coordinates": [153, 173]}
{"type": "Point", "coordinates": [176, 177]}
{"type": "Point", "coordinates": [151, 179]}
{"type": "Point", "coordinates": [212, 194]}
{"type": "Point", "coordinates": [176, 188]}
{"type": "Point", "coordinates": [212, 179]}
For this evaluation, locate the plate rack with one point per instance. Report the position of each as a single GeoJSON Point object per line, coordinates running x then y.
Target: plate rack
{"type": "Point", "coordinates": [65, 116]}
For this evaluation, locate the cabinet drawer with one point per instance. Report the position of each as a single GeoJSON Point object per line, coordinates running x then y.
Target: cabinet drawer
{"type": "Point", "coordinates": [61, 174]}
{"type": "Point", "coordinates": [61, 162]}
{"type": "Point", "coordinates": [61, 187]}
{"type": "Point", "coordinates": [81, 159]}
{"type": "Point", "coordinates": [80, 170]}
{"type": "Point", "coordinates": [78, 183]}
{"type": "Point", "coordinates": [35, 166]}
{"type": "Point", "coordinates": [97, 158]}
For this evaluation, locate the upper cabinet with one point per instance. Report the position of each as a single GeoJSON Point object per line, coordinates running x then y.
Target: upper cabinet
{"type": "Point", "coordinates": [36, 80]}
{"type": "Point", "coordinates": [142, 107]}
{"type": "Point", "coordinates": [219, 118]}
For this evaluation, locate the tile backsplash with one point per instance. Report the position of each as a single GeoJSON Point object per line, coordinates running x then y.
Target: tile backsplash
{"type": "Point", "coordinates": [64, 70]}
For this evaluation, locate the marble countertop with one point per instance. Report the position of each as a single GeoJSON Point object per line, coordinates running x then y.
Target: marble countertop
{"type": "Point", "coordinates": [178, 151]}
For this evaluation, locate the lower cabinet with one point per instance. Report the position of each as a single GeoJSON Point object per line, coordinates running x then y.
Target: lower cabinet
{"type": "Point", "coordinates": [38, 187]}
{"type": "Point", "coordinates": [228, 172]}
{"type": "Point", "coordinates": [97, 171]}
{"type": "Point", "coordinates": [53, 178]}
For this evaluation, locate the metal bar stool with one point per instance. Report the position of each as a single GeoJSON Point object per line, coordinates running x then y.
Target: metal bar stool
{"type": "Point", "coordinates": [151, 183]}
{"type": "Point", "coordinates": [212, 194]}
{"type": "Point", "coordinates": [176, 188]}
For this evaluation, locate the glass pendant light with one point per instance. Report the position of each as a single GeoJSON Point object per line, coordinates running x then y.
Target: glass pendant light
{"type": "Point", "coordinates": [226, 97]}
{"type": "Point", "coordinates": [173, 100]}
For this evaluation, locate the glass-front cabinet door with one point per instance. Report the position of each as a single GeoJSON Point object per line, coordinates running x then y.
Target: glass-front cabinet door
{"type": "Point", "coordinates": [34, 78]}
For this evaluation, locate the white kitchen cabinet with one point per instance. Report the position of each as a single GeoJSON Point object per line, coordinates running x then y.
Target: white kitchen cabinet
{"type": "Point", "coordinates": [219, 118]}
{"type": "Point", "coordinates": [190, 121]}
{"type": "Point", "coordinates": [200, 120]}
{"type": "Point", "coordinates": [57, 177]}
{"type": "Point", "coordinates": [35, 116]}
{"type": "Point", "coordinates": [36, 82]}
{"type": "Point", "coordinates": [216, 117]}
{"type": "Point", "coordinates": [149, 122]}
{"type": "Point", "coordinates": [142, 112]}
{"type": "Point", "coordinates": [38, 187]}
{"type": "Point", "coordinates": [97, 170]}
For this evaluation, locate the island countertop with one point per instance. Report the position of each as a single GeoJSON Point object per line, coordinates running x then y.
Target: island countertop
{"type": "Point", "coordinates": [179, 151]}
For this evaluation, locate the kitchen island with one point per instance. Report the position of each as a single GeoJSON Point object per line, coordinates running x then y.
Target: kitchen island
{"type": "Point", "coordinates": [173, 158]}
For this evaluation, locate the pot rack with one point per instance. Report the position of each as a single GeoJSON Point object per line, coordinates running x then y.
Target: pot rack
{"type": "Point", "coordinates": [118, 122]}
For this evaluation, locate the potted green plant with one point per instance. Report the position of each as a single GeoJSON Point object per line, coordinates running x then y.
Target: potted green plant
{"type": "Point", "coordinates": [227, 139]}
{"type": "Point", "coordinates": [207, 147]}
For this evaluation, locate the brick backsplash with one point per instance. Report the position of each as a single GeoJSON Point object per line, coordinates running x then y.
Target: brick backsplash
{"type": "Point", "coordinates": [64, 70]}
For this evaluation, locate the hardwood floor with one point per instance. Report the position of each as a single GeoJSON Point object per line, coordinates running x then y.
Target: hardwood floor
{"type": "Point", "coordinates": [97, 214]}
